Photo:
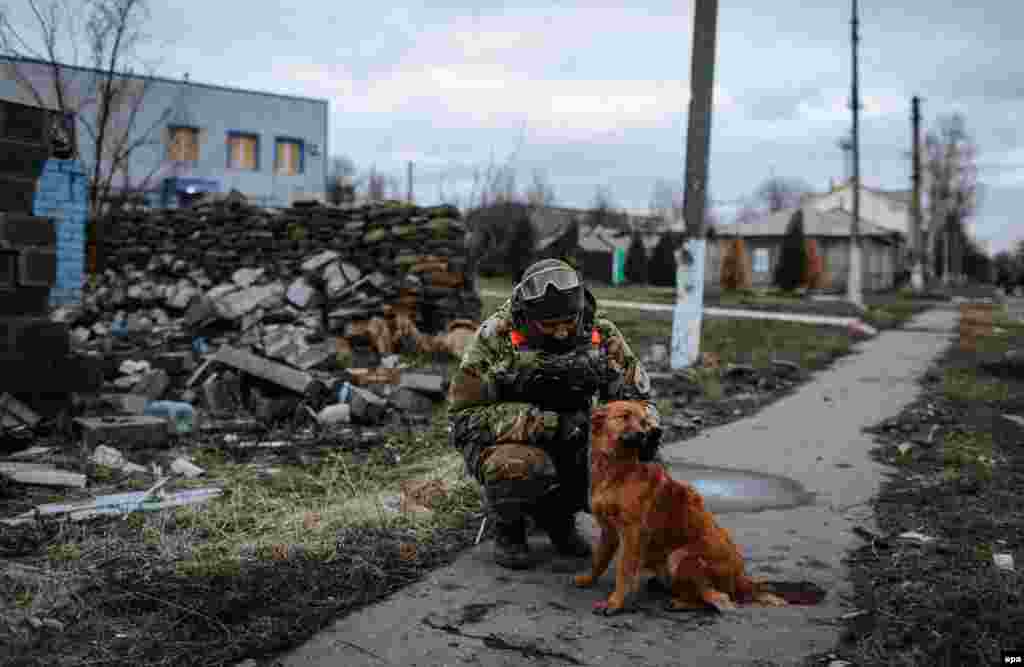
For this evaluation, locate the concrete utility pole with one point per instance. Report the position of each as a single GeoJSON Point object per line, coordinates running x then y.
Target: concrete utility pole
{"type": "Point", "coordinates": [690, 274]}
{"type": "Point", "coordinates": [918, 251]}
{"type": "Point", "coordinates": [853, 283]}
{"type": "Point", "coordinates": [409, 178]}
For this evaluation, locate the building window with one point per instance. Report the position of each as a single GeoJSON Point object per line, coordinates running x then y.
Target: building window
{"type": "Point", "coordinates": [289, 157]}
{"type": "Point", "coordinates": [760, 260]}
{"type": "Point", "coordinates": [184, 144]}
{"type": "Point", "coordinates": [243, 151]}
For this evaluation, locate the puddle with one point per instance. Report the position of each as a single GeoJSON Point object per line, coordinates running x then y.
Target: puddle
{"type": "Point", "coordinates": [726, 490]}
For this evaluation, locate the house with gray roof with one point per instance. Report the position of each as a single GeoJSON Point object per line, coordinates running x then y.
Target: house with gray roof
{"type": "Point", "coordinates": [882, 247]}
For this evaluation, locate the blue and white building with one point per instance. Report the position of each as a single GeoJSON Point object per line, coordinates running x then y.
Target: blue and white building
{"type": "Point", "coordinates": [191, 137]}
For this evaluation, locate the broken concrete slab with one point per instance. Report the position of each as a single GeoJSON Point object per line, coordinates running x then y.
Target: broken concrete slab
{"type": "Point", "coordinates": [222, 393]}
{"type": "Point", "coordinates": [317, 262]}
{"type": "Point", "coordinates": [41, 474]}
{"type": "Point", "coordinates": [182, 466]}
{"type": "Point", "coordinates": [408, 400]}
{"type": "Point", "coordinates": [247, 277]}
{"type": "Point", "coordinates": [152, 385]}
{"type": "Point", "coordinates": [13, 412]}
{"type": "Point", "coordinates": [431, 385]}
{"type": "Point", "coordinates": [124, 431]}
{"type": "Point", "coordinates": [367, 407]}
{"type": "Point", "coordinates": [297, 381]}
{"type": "Point", "coordinates": [174, 363]}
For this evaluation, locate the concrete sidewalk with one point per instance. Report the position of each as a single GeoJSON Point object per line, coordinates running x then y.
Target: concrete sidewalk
{"type": "Point", "coordinates": [474, 612]}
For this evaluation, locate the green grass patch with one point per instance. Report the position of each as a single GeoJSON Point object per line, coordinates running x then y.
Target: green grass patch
{"type": "Point", "coordinates": [965, 384]}
{"type": "Point", "coordinates": [962, 451]}
{"type": "Point", "coordinates": [300, 509]}
{"type": "Point", "coordinates": [758, 341]}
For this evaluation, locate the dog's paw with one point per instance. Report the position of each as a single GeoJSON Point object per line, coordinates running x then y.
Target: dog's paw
{"type": "Point", "coordinates": [719, 601]}
{"type": "Point", "coordinates": [583, 580]}
{"type": "Point", "coordinates": [602, 608]}
{"type": "Point", "coordinates": [676, 605]}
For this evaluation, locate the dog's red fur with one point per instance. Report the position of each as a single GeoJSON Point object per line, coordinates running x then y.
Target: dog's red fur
{"type": "Point", "coordinates": [660, 524]}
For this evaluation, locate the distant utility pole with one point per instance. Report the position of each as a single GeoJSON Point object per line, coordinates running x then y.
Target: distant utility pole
{"type": "Point", "coordinates": [690, 274]}
{"type": "Point", "coordinates": [917, 246]}
{"type": "Point", "coordinates": [853, 283]}
{"type": "Point", "coordinates": [409, 177]}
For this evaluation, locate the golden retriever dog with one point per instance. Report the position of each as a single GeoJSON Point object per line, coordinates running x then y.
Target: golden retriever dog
{"type": "Point", "coordinates": [658, 526]}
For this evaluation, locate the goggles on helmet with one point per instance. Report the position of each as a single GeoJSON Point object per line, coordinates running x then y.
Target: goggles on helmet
{"type": "Point", "coordinates": [533, 288]}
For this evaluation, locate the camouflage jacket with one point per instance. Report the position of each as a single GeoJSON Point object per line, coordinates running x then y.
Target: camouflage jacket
{"type": "Point", "coordinates": [494, 348]}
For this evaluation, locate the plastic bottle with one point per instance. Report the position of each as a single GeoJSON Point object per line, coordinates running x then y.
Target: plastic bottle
{"type": "Point", "coordinates": [345, 392]}
{"type": "Point", "coordinates": [180, 416]}
{"type": "Point", "coordinates": [339, 413]}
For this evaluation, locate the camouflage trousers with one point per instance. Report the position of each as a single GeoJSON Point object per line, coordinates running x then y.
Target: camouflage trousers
{"type": "Point", "coordinates": [514, 451]}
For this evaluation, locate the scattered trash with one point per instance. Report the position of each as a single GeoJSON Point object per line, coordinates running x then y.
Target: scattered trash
{"type": "Point", "coordinates": [118, 503]}
{"type": "Point", "coordinates": [113, 458]}
{"type": "Point", "coordinates": [1003, 561]}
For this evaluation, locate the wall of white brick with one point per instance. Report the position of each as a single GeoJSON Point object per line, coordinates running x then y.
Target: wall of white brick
{"type": "Point", "coordinates": [62, 194]}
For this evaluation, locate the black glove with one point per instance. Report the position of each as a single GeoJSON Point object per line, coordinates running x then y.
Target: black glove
{"type": "Point", "coordinates": [562, 383]}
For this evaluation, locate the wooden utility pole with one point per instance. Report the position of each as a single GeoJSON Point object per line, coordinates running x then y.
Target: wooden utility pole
{"type": "Point", "coordinates": [853, 283]}
{"type": "Point", "coordinates": [918, 252]}
{"type": "Point", "coordinates": [690, 274]}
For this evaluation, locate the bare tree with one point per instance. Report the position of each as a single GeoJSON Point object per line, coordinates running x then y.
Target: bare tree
{"type": "Point", "coordinates": [342, 182]}
{"type": "Point", "coordinates": [106, 100]}
{"type": "Point", "coordinates": [667, 200]}
{"type": "Point", "coordinates": [604, 212]}
{"type": "Point", "coordinates": [777, 193]}
{"type": "Point", "coordinates": [540, 193]}
{"type": "Point", "coordinates": [950, 164]}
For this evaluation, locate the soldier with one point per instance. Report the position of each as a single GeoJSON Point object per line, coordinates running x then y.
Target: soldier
{"type": "Point", "coordinates": [519, 406]}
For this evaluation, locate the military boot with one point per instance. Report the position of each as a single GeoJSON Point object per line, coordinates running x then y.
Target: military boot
{"type": "Point", "coordinates": [561, 529]}
{"type": "Point", "coordinates": [510, 546]}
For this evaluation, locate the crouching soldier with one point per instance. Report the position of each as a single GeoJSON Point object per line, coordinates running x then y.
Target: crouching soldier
{"type": "Point", "coordinates": [519, 406]}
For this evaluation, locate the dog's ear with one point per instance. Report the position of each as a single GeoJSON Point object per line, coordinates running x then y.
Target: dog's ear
{"type": "Point", "coordinates": [598, 418]}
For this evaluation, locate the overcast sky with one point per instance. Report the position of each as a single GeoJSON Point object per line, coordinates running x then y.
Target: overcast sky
{"type": "Point", "coordinates": [596, 94]}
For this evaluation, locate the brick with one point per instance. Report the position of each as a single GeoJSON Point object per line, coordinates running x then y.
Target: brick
{"type": "Point", "coordinates": [17, 195]}
{"type": "Point", "coordinates": [24, 301]}
{"type": "Point", "coordinates": [8, 268]}
{"type": "Point", "coordinates": [21, 230]}
{"type": "Point", "coordinates": [42, 375]}
{"type": "Point", "coordinates": [126, 431]}
{"type": "Point", "coordinates": [10, 407]}
{"type": "Point", "coordinates": [37, 267]}
{"type": "Point", "coordinates": [273, 372]}
{"type": "Point", "coordinates": [174, 363]}
{"type": "Point", "coordinates": [431, 385]}
{"type": "Point", "coordinates": [30, 336]}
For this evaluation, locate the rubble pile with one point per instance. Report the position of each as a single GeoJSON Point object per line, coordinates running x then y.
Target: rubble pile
{"type": "Point", "coordinates": [327, 267]}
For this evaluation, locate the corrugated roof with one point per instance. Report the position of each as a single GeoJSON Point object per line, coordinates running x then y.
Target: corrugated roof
{"type": "Point", "coordinates": [835, 222]}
